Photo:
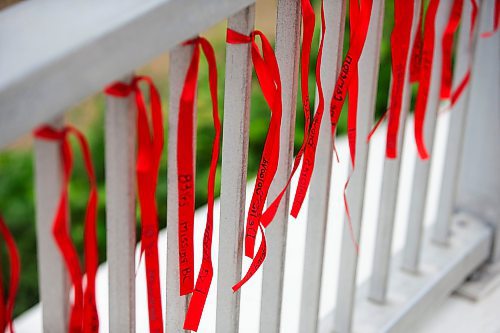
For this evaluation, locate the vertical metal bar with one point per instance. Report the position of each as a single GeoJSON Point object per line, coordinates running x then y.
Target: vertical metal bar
{"type": "Point", "coordinates": [479, 181]}
{"type": "Point", "coordinates": [120, 211]}
{"type": "Point", "coordinates": [176, 305]}
{"type": "Point", "coordinates": [456, 129]}
{"type": "Point", "coordinates": [287, 53]}
{"type": "Point", "coordinates": [320, 182]}
{"type": "Point", "coordinates": [389, 192]}
{"type": "Point", "coordinates": [411, 253]}
{"type": "Point", "coordinates": [368, 80]}
{"type": "Point", "coordinates": [234, 172]}
{"type": "Point", "coordinates": [53, 277]}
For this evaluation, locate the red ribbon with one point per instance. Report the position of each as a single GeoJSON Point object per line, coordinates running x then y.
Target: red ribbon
{"type": "Point", "coordinates": [349, 69]}
{"type": "Point", "coordinates": [311, 140]}
{"type": "Point", "coordinates": [267, 70]}
{"type": "Point", "coordinates": [446, 91]}
{"type": "Point", "coordinates": [83, 317]}
{"type": "Point", "coordinates": [416, 53]}
{"type": "Point", "coordinates": [308, 22]}
{"type": "Point", "coordinates": [400, 45]}
{"type": "Point", "coordinates": [185, 169]}
{"type": "Point", "coordinates": [352, 106]}
{"type": "Point", "coordinates": [447, 45]}
{"type": "Point", "coordinates": [7, 308]}
{"type": "Point", "coordinates": [149, 150]}
{"type": "Point", "coordinates": [425, 77]}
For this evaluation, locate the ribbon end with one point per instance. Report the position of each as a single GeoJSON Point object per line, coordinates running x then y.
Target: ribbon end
{"type": "Point", "coordinates": [249, 245]}
{"type": "Point", "coordinates": [295, 209]}
{"type": "Point", "coordinates": [391, 154]}
{"type": "Point", "coordinates": [422, 152]}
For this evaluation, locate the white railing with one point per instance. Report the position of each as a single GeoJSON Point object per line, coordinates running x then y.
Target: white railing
{"type": "Point", "coordinates": [56, 52]}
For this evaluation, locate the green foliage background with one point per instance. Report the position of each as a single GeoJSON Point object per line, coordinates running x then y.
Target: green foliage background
{"type": "Point", "coordinates": [16, 165]}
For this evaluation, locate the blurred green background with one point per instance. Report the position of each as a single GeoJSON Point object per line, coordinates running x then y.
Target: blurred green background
{"type": "Point", "coordinates": [16, 162]}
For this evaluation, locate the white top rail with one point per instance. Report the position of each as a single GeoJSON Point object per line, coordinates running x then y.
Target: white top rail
{"type": "Point", "coordinates": [45, 44]}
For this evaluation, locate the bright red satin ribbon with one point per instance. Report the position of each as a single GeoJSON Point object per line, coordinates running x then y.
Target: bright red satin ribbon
{"type": "Point", "coordinates": [400, 46]}
{"type": "Point", "coordinates": [352, 109]}
{"type": "Point", "coordinates": [7, 308]}
{"type": "Point", "coordinates": [149, 150]}
{"type": "Point", "coordinates": [185, 169]}
{"type": "Point", "coordinates": [425, 77]}
{"type": "Point", "coordinates": [446, 91]}
{"type": "Point", "coordinates": [340, 92]}
{"type": "Point", "coordinates": [83, 316]}
{"type": "Point", "coordinates": [447, 46]}
{"type": "Point", "coordinates": [416, 52]}
{"type": "Point", "coordinates": [352, 102]}
{"type": "Point", "coordinates": [308, 22]}
{"type": "Point", "coordinates": [267, 70]}
{"type": "Point", "coordinates": [309, 158]}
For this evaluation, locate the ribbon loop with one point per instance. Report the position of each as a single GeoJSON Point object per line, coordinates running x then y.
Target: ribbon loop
{"type": "Point", "coordinates": [149, 150]}
{"type": "Point", "coordinates": [83, 313]}
{"type": "Point", "coordinates": [185, 167]}
{"type": "Point", "coordinates": [186, 183]}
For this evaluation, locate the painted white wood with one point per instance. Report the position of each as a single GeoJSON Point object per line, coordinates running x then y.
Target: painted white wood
{"type": "Point", "coordinates": [287, 53]}
{"type": "Point", "coordinates": [177, 305]}
{"type": "Point", "coordinates": [319, 194]}
{"type": "Point", "coordinates": [479, 181]}
{"type": "Point", "coordinates": [120, 135]}
{"type": "Point", "coordinates": [454, 143]}
{"type": "Point", "coordinates": [234, 172]}
{"type": "Point", "coordinates": [412, 297]}
{"type": "Point", "coordinates": [355, 192]}
{"type": "Point", "coordinates": [422, 167]}
{"type": "Point", "coordinates": [53, 279]}
{"type": "Point", "coordinates": [389, 192]}
{"type": "Point", "coordinates": [87, 43]}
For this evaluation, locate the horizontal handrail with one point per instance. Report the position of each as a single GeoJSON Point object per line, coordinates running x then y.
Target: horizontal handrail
{"type": "Point", "coordinates": [45, 44]}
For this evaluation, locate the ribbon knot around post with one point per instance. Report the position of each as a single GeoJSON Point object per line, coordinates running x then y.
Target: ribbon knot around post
{"type": "Point", "coordinates": [83, 313]}
{"type": "Point", "coordinates": [234, 37]}
{"type": "Point", "coordinates": [149, 150]}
